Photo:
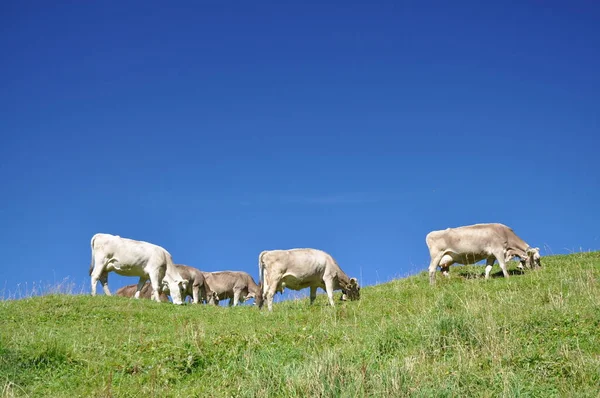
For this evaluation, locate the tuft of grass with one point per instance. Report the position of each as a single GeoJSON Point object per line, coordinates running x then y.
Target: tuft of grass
{"type": "Point", "coordinates": [534, 334]}
{"type": "Point", "coordinates": [40, 288]}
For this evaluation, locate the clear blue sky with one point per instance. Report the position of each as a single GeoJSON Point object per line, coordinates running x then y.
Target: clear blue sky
{"type": "Point", "coordinates": [220, 129]}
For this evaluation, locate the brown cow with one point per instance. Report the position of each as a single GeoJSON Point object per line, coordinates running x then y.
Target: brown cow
{"type": "Point", "coordinates": [146, 292]}
{"type": "Point", "coordinates": [237, 286]}
{"type": "Point", "coordinates": [196, 288]}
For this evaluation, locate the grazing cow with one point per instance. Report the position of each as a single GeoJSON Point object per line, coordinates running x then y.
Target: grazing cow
{"type": "Point", "coordinates": [473, 243]}
{"type": "Point", "coordinates": [297, 269]}
{"type": "Point", "coordinates": [145, 293]}
{"type": "Point", "coordinates": [196, 287]}
{"type": "Point", "coordinates": [130, 257]}
{"type": "Point", "coordinates": [237, 286]}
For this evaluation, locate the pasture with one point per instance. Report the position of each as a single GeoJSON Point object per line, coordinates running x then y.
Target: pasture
{"type": "Point", "coordinates": [535, 334]}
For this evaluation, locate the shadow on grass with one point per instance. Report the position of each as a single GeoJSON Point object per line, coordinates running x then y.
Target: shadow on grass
{"type": "Point", "coordinates": [472, 274]}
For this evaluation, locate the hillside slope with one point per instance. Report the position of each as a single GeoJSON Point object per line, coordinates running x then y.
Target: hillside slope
{"type": "Point", "coordinates": [536, 334]}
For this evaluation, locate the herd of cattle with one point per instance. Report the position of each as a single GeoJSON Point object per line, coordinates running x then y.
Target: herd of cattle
{"type": "Point", "coordinates": [295, 269]}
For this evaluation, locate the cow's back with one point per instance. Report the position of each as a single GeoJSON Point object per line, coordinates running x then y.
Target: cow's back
{"type": "Point", "coordinates": [127, 291]}
{"type": "Point", "coordinates": [218, 282]}
{"type": "Point", "coordinates": [224, 280]}
{"type": "Point", "coordinates": [190, 273]}
{"type": "Point", "coordinates": [296, 259]}
{"type": "Point", "coordinates": [469, 238]}
{"type": "Point", "coordinates": [301, 264]}
{"type": "Point", "coordinates": [228, 281]}
{"type": "Point", "coordinates": [134, 253]}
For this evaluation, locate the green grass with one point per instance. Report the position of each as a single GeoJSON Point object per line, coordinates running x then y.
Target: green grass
{"type": "Point", "coordinates": [535, 334]}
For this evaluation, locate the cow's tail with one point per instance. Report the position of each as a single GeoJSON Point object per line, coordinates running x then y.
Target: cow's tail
{"type": "Point", "coordinates": [261, 272]}
{"type": "Point", "coordinates": [92, 262]}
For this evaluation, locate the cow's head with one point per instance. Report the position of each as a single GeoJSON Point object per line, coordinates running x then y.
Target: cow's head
{"type": "Point", "coordinates": [533, 257]}
{"type": "Point", "coordinates": [352, 290]}
{"type": "Point", "coordinates": [176, 288]}
{"type": "Point", "coordinates": [258, 297]}
{"type": "Point", "coordinates": [212, 298]}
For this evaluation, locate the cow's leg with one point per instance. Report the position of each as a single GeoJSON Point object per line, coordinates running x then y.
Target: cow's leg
{"type": "Point", "coordinates": [264, 283]}
{"type": "Point", "coordinates": [98, 274]}
{"type": "Point", "coordinates": [236, 297]}
{"type": "Point", "coordinates": [271, 283]}
{"type": "Point", "coordinates": [329, 290]}
{"type": "Point", "coordinates": [104, 281]}
{"type": "Point", "coordinates": [269, 299]}
{"type": "Point", "coordinates": [195, 294]}
{"type": "Point", "coordinates": [313, 294]}
{"type": "Point", "coordinates": [269, 296]}
{"type": "Point", "coordinates": [202, 294]}
{"type": "Point", "coordinates": [103, 278]}
{"type": "Point", "coordinates": [502, 263]}
{"type": "Point", "coordinates": [489, 263]}
{"type": "Point", "coordinates": [156, 282]}
{"type": "Point", "coordinates": [433, 264]}
{"type": "Point", "coordinates": [94, 282]}
{"type": "Point", "coordinates": [140, 286]}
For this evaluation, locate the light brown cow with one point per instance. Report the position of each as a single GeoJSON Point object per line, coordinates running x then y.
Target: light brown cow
{"type": "Point", "coordinates": [237, 286]}
{"type": "Point", "coordinates": [145, 293]}
{"type": "Point", "coordinates": [197, 289]}
{"type": "Point", "coordinates": [473, 243]}
{"type": "Point", "coordinates": [298, 269]}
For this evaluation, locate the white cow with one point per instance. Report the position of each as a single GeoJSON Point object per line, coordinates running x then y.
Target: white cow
{"type": "Point", "coordinates": [128, 257]}
{"type": "Point", "coordinates": [473, 243]}
{"type": "Point", "coordinates": [297, 269]}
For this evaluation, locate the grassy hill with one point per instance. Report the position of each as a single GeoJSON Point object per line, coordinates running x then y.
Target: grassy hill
{"type": "Point", "coordinates": [536, 334]}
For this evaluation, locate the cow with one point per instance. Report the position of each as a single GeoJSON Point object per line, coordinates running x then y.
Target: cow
{"type": "Point", "coordinates": [297, 269]}
{"type": "Point", "coordinates": [145, 293]}
{"type": "Point", "coordinates": [237, 286]}
{"type": "Point", "coordinates": [128, 257]}
{"type": "Point", "coordinates": [473, 243]}
{"type": "Point", "coordinates": [197, 289]}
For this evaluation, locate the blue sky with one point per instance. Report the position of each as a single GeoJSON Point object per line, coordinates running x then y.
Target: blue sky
{"type": "Point", "coordinates": [221, 129]}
